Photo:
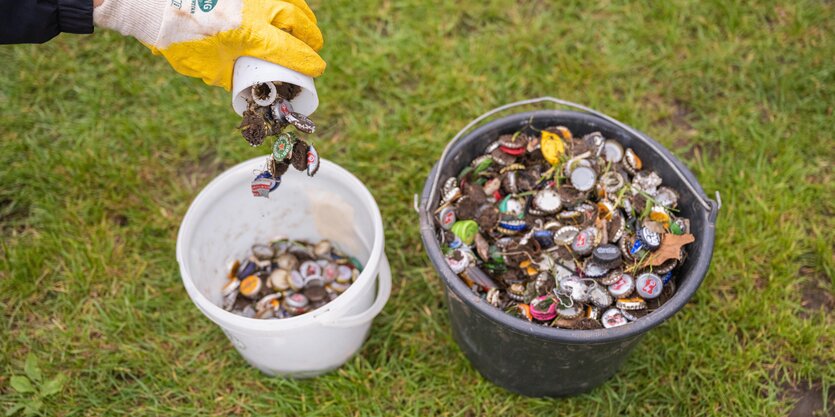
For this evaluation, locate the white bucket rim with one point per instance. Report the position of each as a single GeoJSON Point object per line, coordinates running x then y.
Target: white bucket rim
{"type": "Point", "coordinates": [248, 71]}
{"type": "Point", "coordinates": [226, 319]}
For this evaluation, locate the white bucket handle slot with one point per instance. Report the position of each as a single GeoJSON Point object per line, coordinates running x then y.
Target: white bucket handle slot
{"type": "Point", "coordinates": [383, 294]}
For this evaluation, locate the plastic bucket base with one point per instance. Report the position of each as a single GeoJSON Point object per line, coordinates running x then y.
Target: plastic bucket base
{"type": "Point", "coordinates": [225, 220]}
{"type": "Point", "coordinates": [534, 360]}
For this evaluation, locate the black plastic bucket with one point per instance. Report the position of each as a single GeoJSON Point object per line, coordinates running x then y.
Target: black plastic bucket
{"type": "Point", "coordinates": [534, 360]}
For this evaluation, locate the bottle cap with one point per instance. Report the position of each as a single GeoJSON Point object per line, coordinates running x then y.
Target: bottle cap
{"type": "Point", "coordinates": [283, 145]}
{"type": "Point", "coordinates": [547, 200]}
{"type": "Point", "coordinates": [649, 285]}
{"type": "Point", "coordinates": [458, 261]}
{"type": "Point", "coordinates": [634, 303]}
{"type": "Point", "coordinates": [231, 287]}
{"type": "Point", "coordinates": [301, 122]}
{"type": "Point", "coordinates": [447, 217]}
{"type": "Point", "coordinates": [600, 297]}
{"type": "Point", "coordinates": [545, 238]}
{"type": "Point", "coordinates": [607, 254]}
{"type": "Point", "coordinates": [262, 252]}
{"type": "Point", "coordinates": [544, 308]}
{"type": "Point", "coordinates": [312, 161]}
{"type": "Point", "coordinates": [575, 288]}
{"type": "Point", "coordinates": [512, 226]}
{"type": "Point", "coordinates": [247, 269]}
{"type": "Point", "coordinates": [296, 300]}
{"type": "Point", "coordinates": [584, 241]}
{"type": "Point", "coordinates": [666, 267]}
{"type": "Point", "coordinates": [263, 93]}
{"type": "Point", "coordinates": [251, 286]}
{"type": "Point", "coordinates": [315, 291]}
{"type": "Point", "coordinates": [612, 151]}
{"type": "Point", "coordinates": [649, 238]}
{"type": "Point", "coordinates": [565, 235]}
{"type": "Point", "coordinates": [287, 262]}
{"type": "Point", "coordinates": [594, 269]}
{"type": "Point", "coordinates": [583, 178]}
{"type": "Point", "coordinates": [623, 286]}
{"type": "Point", "coordinates": [593, 312]}
{"type": "Point", "coordinates": [571, 312]}
{"type": "Point", "coordinates": [296, 281]}
{"type": "Point", "coordinates": [478, 277]}
{"type": "Point", "coordinates": [330, 272]}
{"type": "Point", "coordinates": [310, 268]}
{"type": "Point", "coordinates": [279, 280]}
{"type": "Point", "coordinates": [632, 160]}
{"type": "Point", "coordinates": [516, 291]}
{"type": "Point", "coordinates": [612, 277]}
{"type": "Point", "coordinates": [465, 230]}
{"type": "Point", "coordinates": [612, 182]}
{"type": "Point", "coordinates": [613, 317]}
{"type": "Point", "coordinates": [267, 301]}
{"type": "Point", "coordinates": [666, 197]}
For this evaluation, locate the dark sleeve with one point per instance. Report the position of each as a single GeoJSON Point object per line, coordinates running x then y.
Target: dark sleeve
{"type": "Point", "coordinates": [37, 21]}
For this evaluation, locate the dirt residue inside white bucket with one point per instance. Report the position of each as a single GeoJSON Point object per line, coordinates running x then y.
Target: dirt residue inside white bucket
{"type": "Point", "coordinates": [334, 220]}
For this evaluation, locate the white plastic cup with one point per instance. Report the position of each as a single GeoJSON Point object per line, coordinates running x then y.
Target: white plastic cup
{"type": "Point", "coordinates": [225, 220]}
{"type": "Point", "coordinates": [249, 71]}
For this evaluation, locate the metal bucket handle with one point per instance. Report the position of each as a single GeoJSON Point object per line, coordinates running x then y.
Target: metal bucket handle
{"type": "Point", "coordinates": [709, 205]}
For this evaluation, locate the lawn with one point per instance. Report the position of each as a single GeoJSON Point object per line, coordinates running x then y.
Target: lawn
{"type": "Point", "coordinates": [103, 147]}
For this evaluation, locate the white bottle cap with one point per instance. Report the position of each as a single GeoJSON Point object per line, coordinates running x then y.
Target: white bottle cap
{"type": "Point", "coordinates": [249, 71]}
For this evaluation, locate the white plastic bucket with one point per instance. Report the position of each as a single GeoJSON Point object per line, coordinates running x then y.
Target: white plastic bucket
{"type": "Point", "coordinates": [249, 71]}
{"type": "Point", "coordinates": [225, 220]}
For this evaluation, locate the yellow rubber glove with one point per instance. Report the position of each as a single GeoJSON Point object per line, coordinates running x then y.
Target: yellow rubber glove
{"type": "Point", "coordinates": [203, 38]}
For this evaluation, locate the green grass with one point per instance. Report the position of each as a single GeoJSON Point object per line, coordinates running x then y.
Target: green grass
{"type": "Point", "coordinates": [103, 147]}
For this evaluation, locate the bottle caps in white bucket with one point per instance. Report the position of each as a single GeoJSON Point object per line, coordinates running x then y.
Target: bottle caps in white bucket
{"type": "Point", "coordinates": [249, 71]}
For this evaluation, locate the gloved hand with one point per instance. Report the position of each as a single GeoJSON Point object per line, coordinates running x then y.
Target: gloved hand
{"type": "Point", "coordinates": [203, 38]}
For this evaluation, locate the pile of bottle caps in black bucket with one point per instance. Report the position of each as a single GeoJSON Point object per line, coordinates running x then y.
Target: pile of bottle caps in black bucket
{"type": "Point", "coordinates": [564, 231]}
{"type": "Point", "coordinates": [287, 278]}
{"type": "Point", "coordinates": [269, 113]}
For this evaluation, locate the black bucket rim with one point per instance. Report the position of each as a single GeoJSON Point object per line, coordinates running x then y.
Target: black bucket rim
{"type": "Point", "coordinates": [454, 283]}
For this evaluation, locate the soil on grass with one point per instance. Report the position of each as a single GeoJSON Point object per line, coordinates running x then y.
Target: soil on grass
{"type": "Point", "coordinates": [814, 292]}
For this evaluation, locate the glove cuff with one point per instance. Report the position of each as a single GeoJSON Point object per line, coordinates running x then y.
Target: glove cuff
{"type": "Point", "coordinates": [141, 19]}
